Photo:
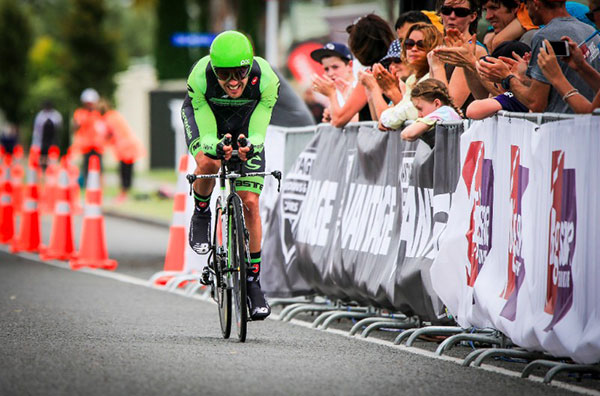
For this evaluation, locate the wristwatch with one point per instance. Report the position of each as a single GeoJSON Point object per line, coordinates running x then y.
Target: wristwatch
{"type": "Point", "coordinates": [506, 82]}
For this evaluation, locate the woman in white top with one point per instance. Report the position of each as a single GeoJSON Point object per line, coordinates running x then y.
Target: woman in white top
{"type": "Point", "coordinates": [422, 38]}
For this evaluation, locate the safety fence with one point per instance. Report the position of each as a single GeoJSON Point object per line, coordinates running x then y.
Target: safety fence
{"type": "Point", "coordinates": [494, 228]}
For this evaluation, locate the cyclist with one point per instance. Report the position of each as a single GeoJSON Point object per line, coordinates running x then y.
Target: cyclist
{"type": "Point", "coordinates": [230, 93]}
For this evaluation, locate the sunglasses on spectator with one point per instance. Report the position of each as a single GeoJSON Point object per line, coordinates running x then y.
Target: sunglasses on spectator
{"type": "Point", "coordinates": [409, 43]}
{"type": "Point", "coordinates": [590, 15]}
{"type": "Point", "coordinates": [227, 73]}
{"type": "Point", "coordinates": [460, 12]}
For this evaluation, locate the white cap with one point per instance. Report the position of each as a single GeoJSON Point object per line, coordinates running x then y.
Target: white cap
{"type": "Point", "coordinates": [89, 95]}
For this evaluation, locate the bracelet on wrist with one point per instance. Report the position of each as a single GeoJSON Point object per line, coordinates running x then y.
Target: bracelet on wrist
{"type": "Point", "coordinates": [572, 92]}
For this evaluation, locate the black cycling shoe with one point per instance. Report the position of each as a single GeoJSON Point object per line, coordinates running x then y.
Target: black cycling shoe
{"type": "Point", "coordinates": [199, 236]}
{"type": "Point", "coordinates": [258, 306]}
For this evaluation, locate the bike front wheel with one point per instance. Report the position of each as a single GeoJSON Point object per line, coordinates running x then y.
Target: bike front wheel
{"type": "Point", "coordinates": [238, 254]}
{"type": "Point", "coordinates": [222, 292]}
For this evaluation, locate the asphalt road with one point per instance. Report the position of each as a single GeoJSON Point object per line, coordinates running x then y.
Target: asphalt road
{"type": "Point", "coordinates": [75, 333]}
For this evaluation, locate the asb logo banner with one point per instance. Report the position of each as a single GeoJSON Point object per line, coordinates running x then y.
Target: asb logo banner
{"type": "Point", "coordinates": [562, 237]}
{"type": "Point", "coordinates": [478, 176]}
{"type": "Point", "coordinates": [519, 179]}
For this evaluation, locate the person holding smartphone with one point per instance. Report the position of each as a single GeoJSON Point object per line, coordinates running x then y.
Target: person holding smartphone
{"type": "Point", "coordinates": [538, 94]}
{"type": "Point", "coordinates": [548, 62]}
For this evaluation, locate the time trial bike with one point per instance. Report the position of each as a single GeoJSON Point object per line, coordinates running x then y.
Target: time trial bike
{"type": "Point", "coordinates": [230, 252]}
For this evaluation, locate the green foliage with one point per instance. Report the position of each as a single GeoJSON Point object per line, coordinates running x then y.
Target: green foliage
{"type": "Point", "coordinates": [16, 37]}
{"type": "Point", "coordinates": [171, 62]}
{"type": "Point", "coordinates": [92, 59]}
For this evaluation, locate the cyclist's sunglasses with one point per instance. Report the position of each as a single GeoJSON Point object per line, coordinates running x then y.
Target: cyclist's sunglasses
{"type": "Point", "coordinates": [460, 12]}
{"type": "Point", "coordinates": [227, 73]}
{"type": "Point", "coordinates": [590, 15]}
{"type": "Point", "coordinates": [409, 43]}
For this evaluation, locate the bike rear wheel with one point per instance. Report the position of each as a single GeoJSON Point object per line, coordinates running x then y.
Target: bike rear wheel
{"type": "Point", "coordinates": [222, 292]}
{"type": "Point", "coordinates": [238, 254]}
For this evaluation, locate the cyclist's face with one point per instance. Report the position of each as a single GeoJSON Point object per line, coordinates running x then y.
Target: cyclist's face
{"type": "Point", "coordinates": [229, 80]}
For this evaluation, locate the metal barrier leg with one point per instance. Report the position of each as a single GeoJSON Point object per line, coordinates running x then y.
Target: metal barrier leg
{"type": "Point", "coordinates": [307, 308]}
{"type": "Point", "coordinates": [489, 338]}
{"type": "Point", "coordinates": [517, 353]}
{"type": "Point", "coordinates": [274, 302]}
{"type": "Point", "coordinates": [285, 311]}
{"type": "Point", "coordinates": [433, 330]}
{"type": "Point", "coordinates": [573, 368]}
{"type": "Point", "coordinates": [472, 356]}
{"type": "Point", "coordinates": [367, 321]}
{"type": "Point", "coordinates": [344, 314]}
{"type": "Point", "coordinates": [397, 324]}
{"type": "Point", "coordinates": [402, 336]}
{"type": "Point", "coordinates": [536, 364]}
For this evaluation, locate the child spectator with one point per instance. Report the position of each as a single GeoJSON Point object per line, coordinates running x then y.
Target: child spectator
{"type": "Point", "coordinates": [433, 103]}
{"type": "Point", "coordinates": [336, 60]}
{"type": "Point", "coordinates": [369, 40]}
{"type": "Point", "coordinates": [422, 38]}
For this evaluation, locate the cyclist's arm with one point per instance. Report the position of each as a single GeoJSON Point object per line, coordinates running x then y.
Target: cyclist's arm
{"type": "Point", "coordinates": [198, 119]}
{"type": "Point", "coordinates": [260, 118]}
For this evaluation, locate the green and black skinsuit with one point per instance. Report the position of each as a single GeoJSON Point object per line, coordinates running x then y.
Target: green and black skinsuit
{"type": "Point", "coordinates": [208, 114]}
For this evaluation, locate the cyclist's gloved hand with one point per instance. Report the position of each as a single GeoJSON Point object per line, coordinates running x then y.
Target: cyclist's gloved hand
{"type": "Point", "coordinates": [245, 148]}
{"type": "Point", "coordinates": [224, 148]}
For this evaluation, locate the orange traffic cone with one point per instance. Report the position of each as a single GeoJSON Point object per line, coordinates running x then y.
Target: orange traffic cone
{"type": "Point", "coordinates": [92, 251]}
{"type": "Point", "coordinates": [175, 258]}
{"type": "Point", "coordinates": [17, 173]}
{"type": "Point", "coordinates": [50, 185]}
{"type": "Point", "coordinates": [61, 245]}
{"type": "Point", "coordinates": [7, 218]}
{"type": "Point", "coordinates": [74, 184]}
{"type": "Point", "coordinates": [28, 239]}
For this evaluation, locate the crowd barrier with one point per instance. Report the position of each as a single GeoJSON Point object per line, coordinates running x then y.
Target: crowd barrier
{"type": "Point", "coordinates": [368, 218]}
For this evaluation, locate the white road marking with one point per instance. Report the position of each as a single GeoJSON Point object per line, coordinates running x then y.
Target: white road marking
{"type": "Point", "coordinates": [417, 351]}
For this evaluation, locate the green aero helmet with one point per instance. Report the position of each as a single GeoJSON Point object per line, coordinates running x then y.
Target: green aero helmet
{"type": "Point", "coordinates": [231, 49]}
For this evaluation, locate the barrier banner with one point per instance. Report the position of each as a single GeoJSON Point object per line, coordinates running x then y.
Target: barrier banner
{"type": "Point", "coordinates": [520, 251]}
{"type": "Point", "coordinates": [358, 220]}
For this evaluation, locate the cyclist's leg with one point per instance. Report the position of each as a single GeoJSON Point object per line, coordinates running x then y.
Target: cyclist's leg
{"type": "Point", "coordinates": [259, 308]}
{"type": "Point", "coordinates": [199, 237]}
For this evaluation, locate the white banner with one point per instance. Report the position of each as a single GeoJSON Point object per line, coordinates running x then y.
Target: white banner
{"type": "Point", "coordinates": [521, 249]}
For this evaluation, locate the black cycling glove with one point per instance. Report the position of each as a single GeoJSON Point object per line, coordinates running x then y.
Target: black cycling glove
{"type": "Point", "coordinates": [226, 141]}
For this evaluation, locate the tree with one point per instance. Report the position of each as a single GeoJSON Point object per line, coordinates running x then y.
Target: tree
{"type": "Point", "coordinates": [16, 37]}
{"type": "Point", "coordinates": [92, 51]}
{"type": "Point", "coordinates": [171, 62]}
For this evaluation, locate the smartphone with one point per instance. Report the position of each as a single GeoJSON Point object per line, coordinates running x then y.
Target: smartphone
{"type": "Point", "coordinates": [561, 48]}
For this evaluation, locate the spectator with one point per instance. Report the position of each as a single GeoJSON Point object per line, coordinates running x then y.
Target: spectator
{"type": "Point", "coordinates": [127, 147]}
{"type": "Point", "coordinates": [336, 60]}
{"type": "Point", "coordinates": [483, 108]}
{"type": "Point", "coordinates": [433, 103]}
{"type": "Point", "coordinates": [369, 40]}
{"type": "Point", "coordinates": [90, 131]}
{"type": "Point", "coordinates": [520, 28]}
{"type": "Point", "coordinates": [406, 20]}
{"type": "Point", "coordinates": [46, 127]}
{"type": "Point", "coordinates": [594, 14]}
{"type": "Point", "coordinates": [386, 80]}
{"type": "Point", "coordinates": [422, 38]}
{"type": "Point", "coordinates": [460, 20]}
{"type": "Point", "coordinates": [548, 63]}
{"type": "Point", "coordinates": [537, 93]}
{"type": "Point", "coordinates": [499, 13]}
